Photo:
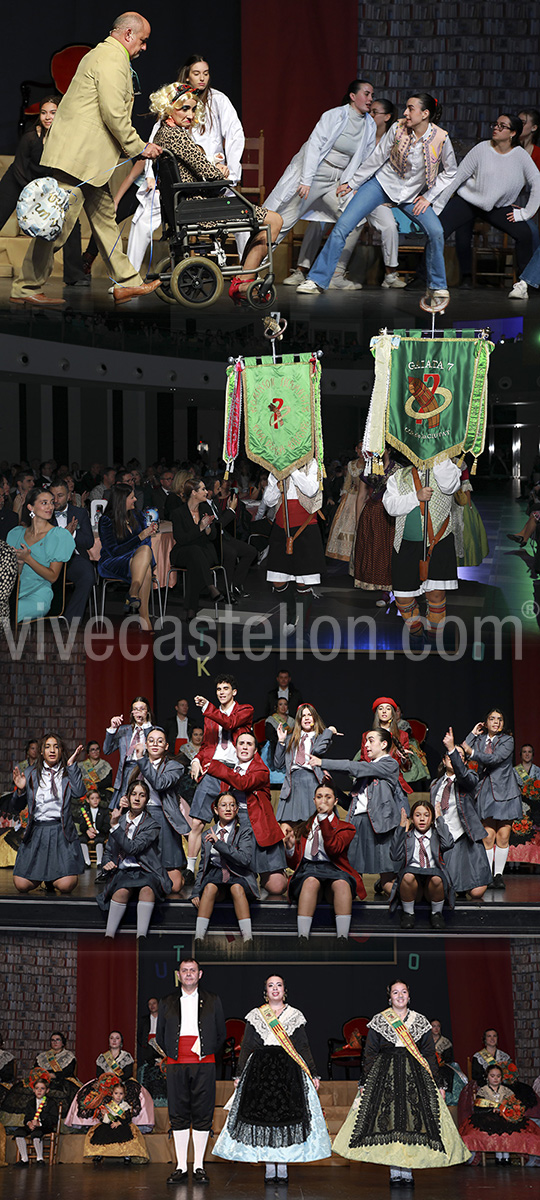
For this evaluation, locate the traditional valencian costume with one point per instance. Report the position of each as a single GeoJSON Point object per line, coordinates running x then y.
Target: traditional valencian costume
{"type": "Point", "coordinates": [111, 1140]}
{"type": "Point", "coordinates": [275, 1115]}
{"type": "Point", "coordinates": [399, 1116]}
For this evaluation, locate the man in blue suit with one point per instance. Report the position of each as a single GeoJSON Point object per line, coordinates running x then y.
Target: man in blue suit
{"type": "Point", "coordinates": [80, 571]}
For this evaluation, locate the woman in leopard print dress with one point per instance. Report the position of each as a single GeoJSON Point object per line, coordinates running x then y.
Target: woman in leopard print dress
{"type": "Point", "coordinates": [175, 104]}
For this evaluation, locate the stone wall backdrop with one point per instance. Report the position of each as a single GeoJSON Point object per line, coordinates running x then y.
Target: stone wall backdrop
{"type": "Point", "coordinates": [38, 993]}
{"type": "Point", "coordinates": [43, 690]}
{"type": "Point", "coordinates": [526, 981]}
{"type": "Point", "coordinates": [478, 59]}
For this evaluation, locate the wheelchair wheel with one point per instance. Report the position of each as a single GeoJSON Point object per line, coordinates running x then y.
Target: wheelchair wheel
{"type": "Point", "coordinates": [196, 282]}
{"type": "Point", "coordinates": [261, 295]}
{"type": "Point", "coordinates": [164, 291]}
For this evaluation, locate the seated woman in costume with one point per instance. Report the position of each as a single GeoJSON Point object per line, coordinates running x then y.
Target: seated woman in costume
{"type": "Point", "coordinates": [176, 104]}
{"type": "Point", "coordinates": [59, 1065]}
{"type": "Point", "coordinates": [96, 772]}
{"type": "Point", "coordinates": [498, 1121]}
{"type": "Point", "coordinates": [114, 1063]}
{"type": "Point", "coordinates": [489, 1056]}
{"type": "Point", "coordinates": [126, 549]}
{"type": "Point", "coordinates": [113, 1134]}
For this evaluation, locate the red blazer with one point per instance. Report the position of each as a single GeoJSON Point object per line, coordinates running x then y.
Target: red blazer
{"type": "Point", "coordinates": [240, 719]}
{"type": "Point", "coordinates": [256, 786]}
{"type": "Point", "coordinates": [404, 739]}
{"type": "Point", "coordinates": [337, 837]}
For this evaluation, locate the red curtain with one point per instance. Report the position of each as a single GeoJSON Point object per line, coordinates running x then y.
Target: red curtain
{"type": "Point", "coordinates": [106, 997]}
{"type": "Point", "coordinates": [480, 994]}
{"type": "Point", "coordinates": [297, 60]}
{"type": "Point", "coordinates": [112, 683]}
{"type": "Point", "coordinates": [526, 673]}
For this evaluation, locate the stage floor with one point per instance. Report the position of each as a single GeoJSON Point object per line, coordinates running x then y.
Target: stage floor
{"type": "Point", "coordinates": [337, 1182]}
{"type": "Point", "coordinates": [339, 323]}
{"type": "Point", "coordinates": [513, 912]}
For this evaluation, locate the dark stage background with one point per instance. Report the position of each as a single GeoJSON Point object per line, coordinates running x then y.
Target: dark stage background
{"type": "Point", "coordinates": [343, 691]}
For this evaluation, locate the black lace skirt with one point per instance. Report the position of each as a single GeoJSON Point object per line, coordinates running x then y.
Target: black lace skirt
{"type": "Point", "coordinates": [273, 1108]}
{"type": "Point", "coordinates": [399, 1105]}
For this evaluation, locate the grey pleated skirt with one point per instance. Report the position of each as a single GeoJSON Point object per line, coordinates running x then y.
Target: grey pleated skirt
{"type": "Point", "coordinates": [468, 865]}
{"type": "Point", "coordinates": [48, 855]}
{"type": "Point", "coordinates": [171, 849]}
{"type": "Point", "coordinates": [498, 810]}
{"type": "Point", "coordinates": [369, 852]}
{"type": "Point", "coordinates": [265, 859]}
{"type": "Point", "coordinates": [299, 805]}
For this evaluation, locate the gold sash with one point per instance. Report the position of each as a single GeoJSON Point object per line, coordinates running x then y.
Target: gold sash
{"type": "Point", "coordinates": [276, 1027]}
{"type": "Point", "coordinates": [405, 1037]}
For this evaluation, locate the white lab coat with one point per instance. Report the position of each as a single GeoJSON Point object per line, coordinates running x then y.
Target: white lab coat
{"type": "Point", "coordinates": [303, 167]}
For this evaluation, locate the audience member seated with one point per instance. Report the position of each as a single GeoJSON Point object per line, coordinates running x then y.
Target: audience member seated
{"type": "Point", "coordinates": [498, 1123]}
{"type": "Point", "coordinates": [176, 492]}
{"type": "Point", "coordinates": [8, 518]}
{"type": "Point", "coordinates": [126, 549]}
{"type": "Point", "coordinates": [80, 571]}
{"type": "Point", "coordinates": [112, 1063]}
{"type": "Point", "coordinates": [161, 492]}
{"type": "Point", "coordinates": [194, 531]}
{"type": "Point", "coordinates": [41, 550]}
{"type": "Point", "coordinates": [60, 1065]}
{"type": "Point", "coordinates": [24, 481]}
{"type": "Point", "coordinates": [102, 490]}
{"type": "Point", "coordinates": [237, 555]}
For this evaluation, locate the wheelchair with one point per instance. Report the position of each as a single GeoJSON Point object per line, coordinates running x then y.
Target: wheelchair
{"type": "Point", "coordinates": [194, 271]}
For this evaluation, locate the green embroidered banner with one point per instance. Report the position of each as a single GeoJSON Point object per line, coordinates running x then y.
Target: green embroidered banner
{"type": "Point", "coordinates": [282, 412]}
{"type": "Point", "coordinates": [429, 397]}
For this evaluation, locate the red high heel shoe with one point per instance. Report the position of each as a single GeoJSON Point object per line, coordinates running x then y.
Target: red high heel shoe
{"type": "Point", "coordinates": [236, 295]}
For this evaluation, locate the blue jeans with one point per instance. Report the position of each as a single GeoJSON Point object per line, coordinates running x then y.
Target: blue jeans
{"type": "Point", "coordinates": [531, 274]}
{"type": "Point", "coordinates": [368, 196]}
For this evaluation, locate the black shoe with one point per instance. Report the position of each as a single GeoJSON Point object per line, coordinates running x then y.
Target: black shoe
{"type": "Point", "coordinates": [407, 921]}
{"type": "Point", "coordinates": [21, 1163]}
{"type": "Point", "coordinates": [178, 1177]}
{"type": "Point", "coordinates": [395, 1181]}
{"type": "Point", "coordinates": [40, 1162]}
{"type": "Point", "coordinates": [282, 1180]}
{"type": "Point", "coordinates": [200, 1176]}
{"type": "Point", "coordinates": [240, 592]}
{"type": "Point", "coordinates": [436, 921]}
{"type": "Point", "coordinates": [498, 883]}
{"type": "Point", "coordinates": [189, 878]}
{"type": "Point", "coordinates": [378, 888]}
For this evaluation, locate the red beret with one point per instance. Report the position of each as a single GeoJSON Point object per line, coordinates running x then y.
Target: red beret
{"type": "Point", "coordinates": [383, 700]}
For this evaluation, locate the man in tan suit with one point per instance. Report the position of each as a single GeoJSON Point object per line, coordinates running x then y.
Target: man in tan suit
{"type": "Point", "coordinates": [91, 131]}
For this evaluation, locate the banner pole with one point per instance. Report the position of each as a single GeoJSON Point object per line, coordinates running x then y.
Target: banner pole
{"type": "Point", "coordinates": [426, 484]}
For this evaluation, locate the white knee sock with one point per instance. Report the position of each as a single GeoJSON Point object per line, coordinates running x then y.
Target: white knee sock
{"type": "Point", "coordinates": [200, 1138]}
{"type": "Point", "coordinates": [437, 906]}
{"type": "Point", "coordinates": [22, 1148]}
{"type": "Point", "coordinates": [99, 853]}
{"type": "Point", "coordinates": [145, 909]}
{"type": "Point", "coordinates": [408, 907]}
{"type": "Point", "coordinates": [281, 1170]}
{"type": "Point", "coordinates": [343, 924]}
{"type": "Point", "coordinates": [38, 1147]}
{"type": "Point", "coordinates": [191, 863]}
{"type": "Point", "coordinates": [181, 1139]}
{"type": "Point", "coordinates": [245, 929]}
{"type": "Point", "coordinates": [116, 912]}
{"type": "Point", "coordinates": [201, 925]}
{"type": "Point", "coordinates": [304, 926]}
{"type": "Point", "coordinates": [501, 855]}
{"type": "Point", "coordinates": [85, 853]}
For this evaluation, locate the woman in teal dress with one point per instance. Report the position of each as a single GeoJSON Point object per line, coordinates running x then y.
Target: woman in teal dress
{"type": "Point", "coordinates": [41, 548]}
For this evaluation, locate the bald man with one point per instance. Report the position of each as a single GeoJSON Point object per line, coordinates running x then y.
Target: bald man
{"type": "Point", "coordinates": [92, 130]}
